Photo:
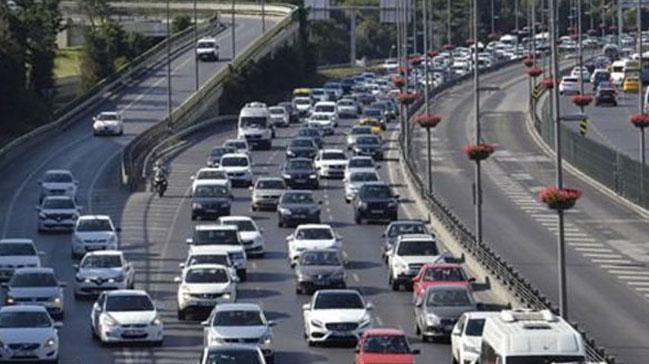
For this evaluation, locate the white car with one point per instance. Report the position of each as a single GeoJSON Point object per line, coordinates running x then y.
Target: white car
{"type": "Point", "coordinates": [249, 232]}
{"type": "Point", "coordinates": [243, 323]}
{"type": "Point", "coordinates": [210, 174]}
{"type": "Point", "coordinates": [58, 182]}
{"type": "Point", "coordinates": [279, 116]}
{"type": "Point", "coordinates": [569, 85]}
{"type": "Point", "coordinates": [203, 286]}
{"type": "Point", "coordinates": [239, 145]}
{"type": "Point", "coordinates": [327, 108]}
{"type": "Point", "coordinates": [390, 65]}
{"type": "Point", "coordinates": [126, 316]}
{"type": "Point", "coordinates": [94, 232]}
{"type": "Point", "coordinates": [466, 337]}
{"type": "Point", "coordinates": [207, 49]}
{"type": "Point", "coordinates": [336, 315]}
{"type": "Point", "coordinates": [28, 334]}
{"type": "Point", "coordinates": [310, 237]}
{"type": "Point", "coordinates": [209, 254]}
{"type": "Point", "coordinates": [303, 105]}
{"type": "Point", "coordinates": [238, 168]}
{"type": "Point", "coordinates": [101, 271]}
{"type": "Point", "coordinates": [410, 253]}
{"type": "Point", "coordinates": [331, 163]}
{"type": "Point", "coordinates": [322, 121]}
{"type": "Point", "coordinates": [356, 180]}
{"type": "Point", "coordinates": [319, 94]}
{"type": "Point", "coordinates": [223, 237]}
{"type": "Point", "coordinates": [57, 212]}
{"type": "Point", "coordinates": [266, 192]}
{"type": "Point", "coordinates": [347, 109]}
{"type": "Point", "coordinates": [585, 74]}
{"type": "Point", "coordinates": [360, 163]}
{"type": "Point", "coordinates": [17, 253]}
{"type": "Point", "coordinates": [36, 286]}
{"type": "Point", "coordinates": [108, 123]}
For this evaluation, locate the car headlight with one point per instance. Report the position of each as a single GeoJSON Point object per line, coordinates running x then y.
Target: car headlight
{"type": "Point", "coordinates": [118, 278]}
{"type": "Point", "coordinates": [286, 176]}
{"type": "Point", "coordinates": [266, 339]}
{"type": "Point", "coordinates": [9, 300]}
{"type": "Point", "coordinates": [313, 176]}
{"type": "Point", "coordinates": [55, 300]}
{"type": "Point", "coordinates": [400, 265]}
{"type": "Point", "coordinates": [290, 153]}
{"type": "Point", "coordinates": [156, 321]}
{"type": "Point", "coordinates": [317, 323]}
{"type": "Point", "coordinates": [362, 205]}
{"type": "Point", "coordinates": [108, 321]}
{"type": "Point", "coordinates": [49, 342]}
{"type": "Point", "coordinates": [392, 204]}
{"type": "Point", "coordinates": [226, 296]}
{"type": "Point", "coordinates": [113, 239]}
{"type": "Point", "coordinates": [284, 211]}
{"type": "Point", "coordinates": [365, 322]}
{"type": "Point", "coordinates": [197, 206]}
{"type": "Point", "coordinates": [432, 320]}
{"type": "Point", "coordinates": [42, 215]}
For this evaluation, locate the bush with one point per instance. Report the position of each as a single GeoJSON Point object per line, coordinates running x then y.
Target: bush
{"type": "Point", "coordinates": [180, 23]}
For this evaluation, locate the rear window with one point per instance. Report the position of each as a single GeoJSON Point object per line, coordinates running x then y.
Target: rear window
{"type": "Point", "coordinates": [17, 249]}
{"type": "Point", "coordinates": [216, 237]}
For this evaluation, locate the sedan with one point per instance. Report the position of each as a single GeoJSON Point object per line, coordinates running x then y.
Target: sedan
{"type": "Point", "coordinates": [569, 85]}
{"type": "Point", "coordinates": [36, 286]}
{"type": "Point", "coordinates": [93, 232]}
{"type": "Point", "coordinates": [439, 308]}
{"type": "Point", "coordinates": [238, 168]}
{"type": "Point", "coordinates": [125, 316]}
{"type": "Point", "coordinates": [57, 182]}
{"type": "Point", "coordinates": [266, 192]}
{"type": "Point", "coordinates": [300, 173]}
{"type": "Point", "coordinates": [384, 346]}
{"type": "Point", "coordinates": [27, 333]}
{"type": "Point", "coordinates": [202, 286]}
{"type": "Point", "coordinates": [211, 199]}
{"type": "Point", "coordinates": [249, 233]}
{"type": "Point", "coordinates": [314, 133]}
{"type": "Point", "coordinates": [331, 163]}
{"type": "Point", "coordinates": [360, 163]}
{"type": "Point", "coordinates": [356, 180]}
{"type": "Point", "coordinates": [319, 268]}
{"type": "Point", "coordinates": [279, 116]}
{"type": "Point", "coordinates": [301, 147]}
{"type": "Point", "coordinates": [439, 274]}
{"type": "Point", "coordinates": [355, 132]}
{"type": "Point", "coordinates": [57, 213]}
{"type": "Point", "coordinates": [17, 253]}
{"type": "Point", "coordinates": [375, 201]}
{"type": "Point", "coordinates": [309, 237]}
{"type": "Point", "coordinates": [210, 174]}
{"type": "Point", "coordinates": [101, 271]}
{"type": "Point", "coordinates": [605, 96]}
{"type": "Point", "coordinates": [214, 159]}
{"type": "Point", "coordinates": [368, 145]}
{"type": "Point", "coordinates": [108, 123]}
{"type": "Point", "coordinates": [297, 207]}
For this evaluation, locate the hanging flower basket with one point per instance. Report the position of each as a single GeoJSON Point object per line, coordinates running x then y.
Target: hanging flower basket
{"type": "Point", "coordinates": [398, 81]}
{"type": "Point", "coordinates": [478, 152]}
{"type": "Point", "coordinates": [415, 60]}
{"type": "Point", "coordinates": [547, 83]}
{"type": "Point", "coordinates": [528, 62]}
{"type": "Point", "coordinates": [581, 100]}
{"type": "Point", "coordinates": [534, 71]}
{"type": "Point", "coordinates": [407, 98]}
{"type": "Point", "coordinates": [402, 70]}
{"type": "Point", "coordinates": [448, 46]}
{"type": "Point", "coordinates": [639, 120]}
{"type": "Point", "coordinates": [432, 53]}
{"type": "Point", "coordinates": [559, 198]}
{"type": "Point", "coordinates": [427, 120]}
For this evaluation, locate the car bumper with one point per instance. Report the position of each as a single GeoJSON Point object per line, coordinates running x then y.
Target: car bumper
{"type": "Point", "coordinates": [207, 56]}
{"type": "Point", "coordinates": [148, 333]}
{"type": "Point", "coordinates": [239, 181]}
{"type": "Point", "coordinates": [199, 304]}
{"type": "Point", "coordinates": [322, 335]}
{"type": "Point", "coordinates": [437, 330]}
{"type": "Point", "coordinates": [108, 130]}
{"type": "Point", "coordinates": [211, 213]}
{"type": "Point", "coordinates": [51, 224]}
{"type": "Point", "coordinates": [29, 356]}
{"type": "Point", "coordinates": [314, 285]}
{"type": "Point", "coordinates": [81, 249]}
{"type": "Point", "coordinates": [92, 288]}
{"type": "Point", "coordinates": [299, 219]}
{"type": "Point", "coordinates": [378, 214]}
{"type": "Point", "coordinates": [332, 172]}
{"type": "Point", "coordinates": [265, 202]}
{"type": "Point", "coordinates": [253, 247]}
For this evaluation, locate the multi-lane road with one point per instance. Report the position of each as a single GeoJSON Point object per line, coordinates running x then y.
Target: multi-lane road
{"type": "Point", "coordinates": [95, 163]}
{"type": "Point", "coordinates": [608, 271]}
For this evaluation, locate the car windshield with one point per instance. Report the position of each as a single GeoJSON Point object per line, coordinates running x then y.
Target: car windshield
{"type": "Point", "coordinates": [545, 359]}
{"type": "Point", "coordinates": [320, 117]}
{"type": "Point", "coordinates": [299, 164]}
{"type": "Point", "coordinates": [232, 356]}
{"type": "Point", "coordinates": [270, 184]}
{"type": "Point", "coordinates": [253, 122]}
{"type": "Point", "coordinates": [303, 101]}
{"type": "Point", "coordinates": [211, 175]}
{"type": "Point", "coordinates": [58, 203]}
{"type": "Point", "coordinates": [301, 198]}
{"type": "Point", "coordinates": [135, 302]}
{"type": "Point", "coordinates": [242, 225]}
{"type": "Point", "coordinates": [234, 162]}
{"type": "Point", "coordinates": [345, 103]}
{"type": "Point", "coordinates": [206, 44]}
{"type": "Point", "coordinates": [25, 319]}
{"type": "Point", "coordinates": [338, 300]}
{"type": "Point", "coordinates": [220, 259]}
{"type": "Point", "coordinates": [211, 191]}
{"type": "Point", "coordinates": [206, 275]}
{"type": "Point", "coordinates": [452, 274]}
{"type": "Point", "coordinates": [17, 249]}
{"type": "Point", "coordinates": [238, 318]}
{"type": "Point", "coordinates": [277, 110]}
{"type": "Point", "coordinates": [448, 297]}
{"type": "Point", "coordinates": [414, 248]}
{"type": "Point", "coordinates": [101, 261]}
{"type": "Point", "coordinates": [301, 143]}
{"type": "Point", "coordinates": [217, 152]}
{"type": "Point", "coordinates": [314, 234]}
{"type": "Point", "coordinates": [363, 177]}
{"type": "Point", "coordinates": [325, 108]}
{"type": "Point", "coordinates": [375, 191]}
{"type": "Point", "coordinates": [569, 80]}
{"type": "Point", "coordinates": [94, 225]}
{"type": "Point", "coordinates": [319, 258]}
{"type": "Point", "coordinates": [372, 112]}
{"type": "Point", "coordinates": [57, 178]}
{"type": "Point", "coordinates": [389, 344]}
{"type": "Point", "coordinates": [334, 156]}
{"type": "Point", "coordinates": [401, 229]}
{"type": "Point", "coordinates": [216, 237]}
{"type": "Point", "coordinates": [474, 327]}
{"type": "Point", "coordinates": [367, 140]}
{"type": "Point", "coordinates": [361, 163]}
{"type": "Point", "coordinates": [107, 117]}
{"type": "Point", "coordinates": [308, 132]}
{"type": "Point", "coordinates": [606, 92]}
{"type": "Point", "coordinates": [33, 280]}
{"type": "Point", "coordinates": [236, 144]}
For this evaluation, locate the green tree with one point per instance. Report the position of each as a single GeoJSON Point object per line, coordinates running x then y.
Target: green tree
{"type": "Point", "coordinates": [180, 23]}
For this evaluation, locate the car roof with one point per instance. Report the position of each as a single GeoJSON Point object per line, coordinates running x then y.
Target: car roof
{"type": "Point", "coordinates": [236, 218]}
{"type": "Point", "coordinates": [234, 155]}
{"type": "Point", "coordinates": [211, 182]}
{"type": "Point", "coordinates": [23, 308]}
{"type": "Point", "coordinates": [332, 150]}
{"type": "Point", "coordinates": [207, 250]}
{"type": "Point", "coordinates": [481, 314]}
{"type": "Point", "coordinates": [269, 179]}
{"type": "Point", "coordinates": [59, 197]}
{"type": "Point", "coordinates": [210, 169]}
{"type": "Point", "coordinates": [28, 270]}
{"type": "Point", "coordinates": [230, 346]}
{"type": "Point", "coordinates": [441, 265]}
{"type": "Point", "coordinates": [408, 237]}
{"type": "Point", "coordinates": [104, 252]}
{"type": "Point", "coordinates": [16, 241]}
{"type": "Point", "coordinates": [206, 266]}
{"type": "Point", "coordinates": [215, 227]}
{"type": "Point", "coordinates": [239, 306]}
{"type": "Point", "coordinates": [127, 292]}
{"type": "Point", "coordinates": [313, 226]}
{"type": "Point", "coordinates": [384, 332]}
{"type": "Point", "coordinates": [94, 217]}
{"type": "Point", "coordinates": [207, 38]}
{"type": "Point", "coordinates": [57, 171]}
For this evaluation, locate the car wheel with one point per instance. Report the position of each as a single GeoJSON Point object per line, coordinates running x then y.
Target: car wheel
{"type": "Point", "coordinates": [358, 219]}
{"type": "Point", "coordinates": [417, 330]}
{"type": "Point", "coordinates": [243, 276]}
{"type": "Point", "coordinates": [253, 208]}
{"type": "Point", "coordinates": [395, 285]}
{"type": "Point", "coordinates": [280, 223]}
{"type": "Point", "coordinates": [158, 343]}
{"type": "Point", "coordinates": [181, 315]}
{"type": "Point", "coordinates": [93, 333]}
{"type": "Point", "coordinates": [270, 359]}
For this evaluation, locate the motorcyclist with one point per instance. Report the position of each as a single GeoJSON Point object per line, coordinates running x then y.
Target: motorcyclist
{"type": "Point", "coordinates": [159, 176]}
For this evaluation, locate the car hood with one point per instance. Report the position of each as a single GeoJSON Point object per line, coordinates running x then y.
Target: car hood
{"type": "Point", "coordinates": [294, 206]}
{"type": "Point", "coordinates": [95, 235]}
{"type": "Point", "coordinates": [206, 287]}
{"type": "Point", "coordinates": [268, 192]}
{"type": "Point", "coordinates": [59, 211]}
{"type": "Point", "coordinates": [26, 335]}
{"type": "Point", "coordinates": [106, 122]}
{"type": "Point", "coordinates": [376, 358]}
{"type": "Point", "coordinates": [339, 315]}
{"type": "Point", "coordinates": [100, 272]}
{"type": "Point", "coordinates": [299, 171]}
{"type": "Point", "coordinates": [132, 317]}
{"type": "Point", "coordinates": [312, 244]}
{"type": "Point", "coordinates": [240, 332]}
{"type": "Point", "coordinates": [450, 312]}
{"type": "Point", "coordinates": [28, 292]}
{"type": "Point", "coordinates": [313, 270]}
{"type": "Point", "coordinates": [333, 162]}
{"type": "Point", "coordinates": [301, 149]}
{"type": "Point", "coordinates": [414, 259]}
{"type": "Point", "coordinates": [57, 186]}
{"type": "Point", "coordinates": [209, 199]}
{"type": "Point", "coordinates": [235, 169]}
{"type": "Point", "coordinates": [15, 260]}
{"type": "Point", "coordinates": [249, 235]}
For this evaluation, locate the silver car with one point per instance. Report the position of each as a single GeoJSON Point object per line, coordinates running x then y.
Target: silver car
{"type": "Point", "coordinates": [57, 213]}
{"type": "Point", "coordinates": [36, 286]}
{"type": "Point", "coordinates": [356, 180]}
{"type": "Point", "coordinates": [357, 131]}
{"type": "Point", "coordinates": [57, 182]}
{"type": "Point", "coordinates": [17, 253]}
{"type": "Point", "coordinates": [266, 193]}
{"type": "Point", "coordinates": [103, 270]}
{"type": "Point", "coordinates": [438, 309]}
{"type": "Point", "coordinates": [28, 334]}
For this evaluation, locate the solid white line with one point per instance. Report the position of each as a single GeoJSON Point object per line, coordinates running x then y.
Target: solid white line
{"type": "Point", "coordinates": [576, 238]}
{"type": "Point", "coordinates": [616, 256]}
{"type": "Point", "coordinates": [638, 283]}
{"type": "Point", "coordinates": [594, 250]}
{"type": "Point", "coordinates": [618, 266]}
{"type": "Point", "coordinates": [356, 278]}
{"type": "Point", "coordinates": [629, 272]}
{"type": "Point", "coordinates": [611, 261]}
{"type": "Point", "coordinates": [634, 278]}
{"type": "Point", "coordinates": [585, 244]}
{"type": "Point", "coordinates": [98, 174]}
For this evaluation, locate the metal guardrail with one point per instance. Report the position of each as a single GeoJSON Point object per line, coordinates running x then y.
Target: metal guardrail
{"type": "Point", "coordinates": [518, 286]}
{"type": "Point", "coordinates": [135, 164]}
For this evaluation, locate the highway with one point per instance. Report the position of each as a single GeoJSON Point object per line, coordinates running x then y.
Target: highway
{"type": "Point", "coordinates": [607, 255]}
{"type": "Point", "coordinates": [95, 163]}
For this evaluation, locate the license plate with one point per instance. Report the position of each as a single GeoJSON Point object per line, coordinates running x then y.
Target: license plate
{"type": "Point", "coordinates": [133, 332]}
{"type": "Point", "coordinates": [205, 303]}
{"type": "Point", "coordinates": [92, 248]}
{"type": "Point", "coordinates": [340, 333]}
{"type": "Point", "coordinates": [377, 211]}
{"type": "Point", "coordinates": [300, 181]}
{"type": "Point", "coordinates": [24, 354]}
{"type": "Point", "coordinates": [300, 216]}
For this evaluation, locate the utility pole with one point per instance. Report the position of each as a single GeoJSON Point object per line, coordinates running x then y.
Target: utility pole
{"type": "Point", "coordinates": [234, 33]}
{"type": "Point", "coordinates": [169, 105]}
{"type": "Point", "coordinates": [641, 100]}
{"type": "Point", "coordinates": [448, 22]}
{"type": "Point", "coordinates": [426, 47]}
{"type": "Point", "coordinates": [476, 94]}
{"type": "Point", "coordinates": [352, 42]}
{"type": "Point", "coordinates": [197, 81]}
{"type": "Point", "coordinates": [263, 16]}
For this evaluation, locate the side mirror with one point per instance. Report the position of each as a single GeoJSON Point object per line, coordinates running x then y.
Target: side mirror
{"type": "Point", "coordinates": [272, 323]}
{"type": "Point", "coordinates": [378, 166]}
{"type": "Point", "coordinates": [369, 306]}
{"type": "Point", "coordinates": [40, 182]}
{"type": "Point", "coordinates": [76, 183]}
{"type": "Point", "coordinates": [419, 303]}
{"type": "Point", "coordinates": [261, 229]}
{"type": "Point", "coordinates": [37, 208]}
{"type": "Point", "coordinates": [357, 350]}
{"type": "Point", "coordinates": [192, 178]}
{"type": "Point", "coordinates": [177, 280]}
{"type": "Point", "coordinates": [305, 307]}
{"type": "Point", "coordinates": [290, 237]}
{"type": "Point", "coordinates": [181, 265]}
{"type": "Point", "coordinates": [4, 285]}
{"type": "Point", "coordinates": [416, 352]}
{"type": "Point", "coordinates": [205, 323]}
{"type": "Point", "coordinates": [189, 240]}
{"type": "Point", "coordinates": [76, 267]}
{"type": "Point", "coordinates": [41, 253]}
{"type": "Point", "coordinates": [348, 201]}
{"type": "Point", "coordinates": [383, 235]}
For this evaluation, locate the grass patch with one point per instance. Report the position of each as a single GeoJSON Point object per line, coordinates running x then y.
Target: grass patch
{"type": "Point", "coordinates": [67, 62]}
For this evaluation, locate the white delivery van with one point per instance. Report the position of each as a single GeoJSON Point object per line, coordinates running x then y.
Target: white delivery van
{"type": "Point", "coordinates": [255, 125]}
{"type": "Point", "coordinates": [525, 336]}
{"type": "Point", "coordinates": [617, 72]}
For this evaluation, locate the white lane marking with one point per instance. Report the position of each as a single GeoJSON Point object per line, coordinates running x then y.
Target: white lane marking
{"type": "Point", "coordinates": [611, 261]}
{"type": "Point", "coordinates": [584, 239]}
{"type": "Point", "coordinates": [634, 278]}
{"type": "Point", "coordinates": [356, 278]}
{"type": "Point", "coordinates": [98, 174]}
{"type": "Point", "coordinates": [379, 321]}
{"type": "Point", "coordinates": [638, 283]}
{"type": "Point", "coordinates": [621, 266]}
{"type": "Point", "coordinates": [578, 243]}
{"type": "Point", "coordinates": [597, 255]}
{"type": "Point", "coordinates": [629, 272]}
{"type": "Point", "coordinates": [594, 250]}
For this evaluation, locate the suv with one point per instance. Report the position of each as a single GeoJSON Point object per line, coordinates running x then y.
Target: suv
{"type": "Point", "coordinates": [331, 163]}
{"type": "Point", "coordinates": [398, 228]}
{"type": "Point", "coordinates": [266, 192]}
{"type": "Point", "coordinates": [224, 236]}
{"type": "Point", "coordinates": [28, 332]}
{"type": "Point", "coordinates": [36, 286]}
{"type": "Point", "coordinates": [309, 237]}
{"type": "Point", "coordinates": [375, 201]}
{"type": "Point", "coordinates": [93, 232]}
{"type": "Point", "coordinates": [207, 49]}
{"type": "Point", "coordinates": [297, 207]}
{"type": "Point", "coordinates": [101, 271]}
{"type": "Point", "coordinates": [17, 253]}
{"type": "Point", "coordinates": [238, 168]}
{"type": "Point", "coordinates": [255, 125]}
{"type": "Point", "coordinates": [57, 212]}
{"type": "Point", "coordinates": [439, 308]}
{"type": "Point", "coordinates": [203, 286]}
{"type": "Point", "coordinates": [211, 199]}
{"type": "Point", "coordinates": [319, 268]}
{"type": "Point", "coordinates": [410, 253]}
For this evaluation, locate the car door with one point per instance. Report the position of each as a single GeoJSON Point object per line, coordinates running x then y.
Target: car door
{"type": "Point", "coordinates": [456, 337]}
{"type": "Point", "coordinates": [97, 309]}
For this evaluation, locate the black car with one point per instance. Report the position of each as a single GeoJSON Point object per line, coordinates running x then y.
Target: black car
{"type": "Point", "coordinates": [214, 159]}
{"type": "Point", "coordinates": [296, 207]}
{"type": "Point", "coordinates": [375, 201]}
{"type": "Point", "coordinates": [605, 96]}
{"type": "Point", "coordinates": [300, 173]}
{"type": "Point", "coordinates": [368, 145]}
{"type": "Point", "coordinates": [211, 199]}
{"type": "Point", "coordinates": [292, 112]}
{"type": "Point", "coordinates": [313, 133]}
{"type": "Point", "coordinates": [319, 269]}
{"type": "Point", "coordinates": [301, 147]}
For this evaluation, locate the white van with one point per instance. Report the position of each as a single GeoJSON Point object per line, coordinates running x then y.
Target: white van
{"type": "Point", "coordinates": [617, 72]}
{"type": "Point", "coordinates": [525, 336]}
{"type": "Point", "coordinates": [255, 125]}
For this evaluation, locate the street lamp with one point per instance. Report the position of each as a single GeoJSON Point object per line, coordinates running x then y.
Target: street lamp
{"type": "Point", "coordinates": [234, 33]}
{"type": "Point", "coordinates": [196, 83]}
{"type": "Point", "coordinates": [169, 105]}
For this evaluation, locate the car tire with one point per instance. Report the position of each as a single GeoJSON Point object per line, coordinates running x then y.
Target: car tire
{"type": "Point", "coordinates": [243, 276]}
{"type": "Point", "coordinates": [358, 220]}
{"type": "Point", "coordinates": [181, 315]}
{"type": "Point", "coordinates": [93, 333]}
{"type": "Point", "coordinates": [395, 285]}
{"type": "Point", "coordinates": [417, 330]}
{"type": "Point", "coordinates": [158, 343]}
{"type": "Point", "coordinates": [270, 359]}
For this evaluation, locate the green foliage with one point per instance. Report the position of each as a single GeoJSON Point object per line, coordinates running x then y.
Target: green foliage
{"type": "Point", "coordinates": [180, 23]}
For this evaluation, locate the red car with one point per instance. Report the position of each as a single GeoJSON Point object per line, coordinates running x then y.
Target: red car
{"type": "Point", "coordinates": [439, 273]}
{"type": "Point", "coordinates": [384, 346]}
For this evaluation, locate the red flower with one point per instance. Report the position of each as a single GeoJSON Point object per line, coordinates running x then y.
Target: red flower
{"type": "Point", "coordinates": [427, 120]}
{"type": "Point", "coordinates": [415, 60]}
{"type": "Point", "coordinates": [639, 120]}
{"type": "Point", "coordinates": [559, 198]}
{"type": "Point", "coordinates": [398, 81]}
{"type": "Point", "coordinates": [432, 53]}
{"type": "Point", "coordinates": [407, 98]}
{"type": "Point", "coordinates": [528, 62]}
{"type": "Point", "coordinates": [547, 83]}
{"type": "Point", "coordinates": [581, 100]}
{"type": "Point", "coordinates": [478, 152]}
{"type": "Point", "coordinates": [402, 70]}
{"type": "Point", "coordinates": [534, 71]}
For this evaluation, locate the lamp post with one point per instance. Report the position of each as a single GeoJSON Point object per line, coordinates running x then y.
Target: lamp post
{"type": "Point", "coordinates": [234, 33]}
{"type": "Point", "coordinates": [196, 84]}
{"type": "Point", "coordinates": [476, 92]}
{"type": "Point", "coordinates": [263, 16]}
{"type": "Point", "coordinates": [640, 99]}
{"type": "Point", "coordinates": [169, 105]}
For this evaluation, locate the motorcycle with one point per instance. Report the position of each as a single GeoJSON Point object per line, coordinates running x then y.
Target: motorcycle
{"type": "Point", "coordinates": [160, 184]}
